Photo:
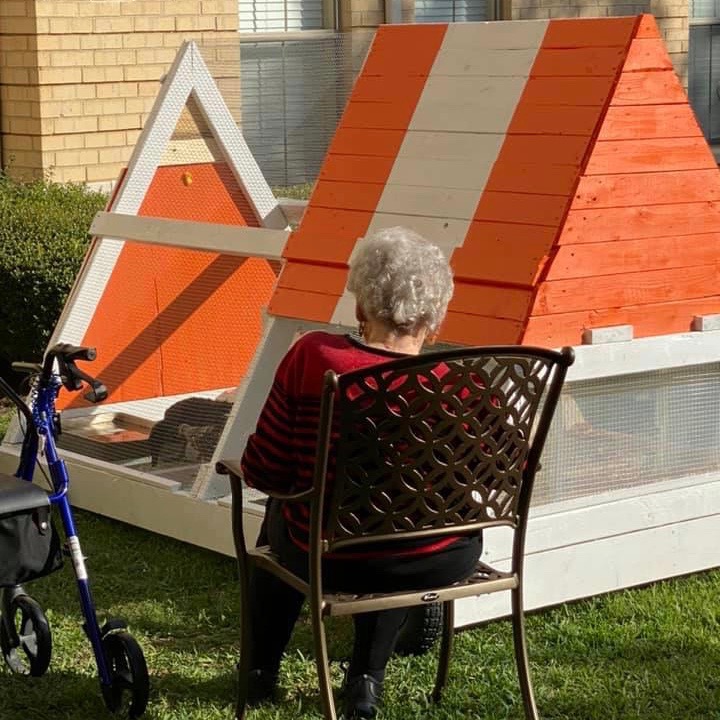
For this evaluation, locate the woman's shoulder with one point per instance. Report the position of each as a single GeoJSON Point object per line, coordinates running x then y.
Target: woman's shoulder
{"type": "Point", "coordinates": [318, 339]}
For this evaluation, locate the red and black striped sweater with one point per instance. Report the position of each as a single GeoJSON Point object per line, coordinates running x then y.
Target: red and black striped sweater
{"type": "Point", "coordinates": [280, 454]}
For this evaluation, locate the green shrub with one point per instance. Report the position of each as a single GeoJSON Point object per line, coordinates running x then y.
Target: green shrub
{"type": "Point", "coordinates": [43, 238]}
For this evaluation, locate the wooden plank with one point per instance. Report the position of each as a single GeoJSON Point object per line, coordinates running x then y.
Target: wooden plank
{"type": "Point", "coordinates": [619, 290]}
{"type": "Point", "coordinates": [647, 54]}
{"type": "Point", "coordinates": [496, 301]}
{"type": "Point", "coordinates": [515, 35]}
{"type": "Point", "coordinates": [593, 226]}
{"type": "Point", "coordinates": [523, 208]}
{"type": "Point", "coordinates": [649, 121]}
{"type": "Point", "coordinates": [541, 149]}
{"type": "Point", "coordinates": [346, 195]}
{"type": "Point", "coordinates": [431, 172]}
{"type": "Point", "coordinates": [465, 329]}
{"type": "Point", "coordinates": [483, 61]}
{"type": "Point", "coordinates": [301, 304]}
{"type": "Point", "coordinates": [404, 50]}
{"type": "Point", "coordinates": [629, 256]}
{"type": "Point", "coordinates": [446, 233]}
{"type": "Point", "coordinates": [473, 147]}
{"type": "Point", "coordinates": [356, 168]}
{"type": "Point", "coordinates": [589, 32]}
{"type": "Point", "coordinates": [467, 104]}
{"type": "Point", "coordinates": [374, 88]}
{"type": "Point", "coordinates": [648, 88]}
{"type": "Point", "coordinates": [428, 202]}
{"type": "Point", "coordinates": [567, 90]}
{"type": "Point", "coordinates": [379, 143]}
{"type": "Point", "coordinates": [574, 61]}
{"type": "Point", "coordinates": [377, 115]}
{"type": "Point", "coordinates": [532, 178]}
{"type": "Point", "coordinates": [326, 279]}
{"type": "Point", "coordinates": [226, 239]}
{"type": "Point", "coordinates": [509, 253]}
{"type": "Point", "coordinates": [647, 320]}
{"type": "Point", "coordinates": [531, 119]}
{"type": "Point", "coordinates": [656, 188]}
{"type": "Point", "coordinates": [663, 154]}
{"type": "Point", "coordinates": [647, 27]}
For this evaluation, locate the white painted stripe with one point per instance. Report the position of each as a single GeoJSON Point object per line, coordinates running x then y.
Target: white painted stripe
{"type": "Point", "coordinates": [455, 134]}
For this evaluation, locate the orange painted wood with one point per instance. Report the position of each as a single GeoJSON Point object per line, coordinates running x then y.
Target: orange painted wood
{"type": "Point", "coordinates": [378, 115]}
{"type": "Point", "coordinates": [376, 88]}
{"type": "Point", "coordinates": [639, 288]}
{"type": "Point", "coordinates": [591, 32]}
{"type": "Point", "coordinates": [648, 88]}
{"type": "Point", "coordinates": [407, 50]}
{"type": "Point", "coordinates": [312, 306]}
{"type": "Point", "coordinates": [647, 27]}
{"type": "Point", "coordinates": [521, 208]}
{"type": "Point", "coordinates": [491, 300]}
{"type": "Point", "coordinates": [548, 179]}
{"type": "Point", "coordinates": [630, 122]}
{"type": "Point", "coordinates": [356, 168]}
{"type": "Point", "coordinates": [503, 252]}
{"type": "Point", "coordinates": [161, 324]}
{"type": "Point", "coordinates": [629, 256]}
{"type": "Point", "coordinates": [550, 149]}
{"type": "Point", "coordinates": [574, 61]}
{"type": "Point", "coordinates": [567, 91]}
{"type": "Point", "coordinates": [347, 195]}
{"type": "Point", "coordinates": [593, 226]}
{"type": "Point", "coordinates": [651, 188]}
{"type": "Point", "coordinates": [324, 279]}
{"type": "Point", "coordinates": [353, 141]}
{"type": "Point", "coordinates": [465, 329]}
{"type": "Point", "coordinates": [327, 236]}
{"type": "Point", "coordinates": [664, 154]}
{"type": "Point", "coordinates": [532, 119]}
{"type": "Point", "coordinates": [647, 320]}
{"type": "Point", "coordinates": [647, 54]}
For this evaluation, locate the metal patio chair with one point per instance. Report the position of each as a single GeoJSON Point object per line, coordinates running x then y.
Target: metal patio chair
{"type": "Point", "coordinates": [439, 444]}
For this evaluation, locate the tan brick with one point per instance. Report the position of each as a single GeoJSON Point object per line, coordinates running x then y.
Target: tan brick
{"type": "Point", "coordinates": [104, 106]}
{"type": "Point", "coordinates": [154, 23]}
{"type": "Point", "coordinates": [182, 7]}
{"type": "Point", "coordinates": [14, 9]}
{"type": "Point", "coordinates": [66, 108]}
{"type": "Point", "coordinates": [59, 42]}
{"type": "Point", "coordinates": [113, 24]}
{"type": "Point", "coordinates": [49, 76]}
{"type": "Point", "coordinates": [138, 105]}
{"type": "Point", "coordinates": [71, 124]}
{"type": "Point", "coordinates": [71, 58]}
{"type": "Point", "coordinates": [97, 173]}
{"type": "Point", "coordinates": [144, 72]}
{"type": "Point", "coordinates": [65, 158]}
{"type": "Point", "coordinates": [65, 26]}
{"type": "Point", "coordinates": [57, 92]}
{"type": "Point", "coordinates": [119, 89]}
{"type": "Point", "coordinates": [119, 122]}
{"type": "Point", "coordinates": [113, 57]}
{"type": "Point", "coordinates": [148, 88]}
{"type": "Point", "coordinates": [69, 174]}
{"type": "Point", "coordinates": [99, 8]}
{"type": "Point", "coordinates": [12, 43]}
{"type": "Point", "coordinates": [102, 74]}
{"type": "Point", "coordinates": [54, 142]}
{"type": "Point", "coordinates": [226, 22]}
{"type": "Point", "coordinates": [146, 7]}
{"type": "Point", "coordinates": [141, 40]}
{"type": "Point", "coordinates": [186, 23]}
{"type": "Point", "coordinates": [115, 154]}
{"type": "Point", "coordinates": [106, 139]}
{"type": "Point", "coordinates": [58, 9]}
{"type": "Point", "coordinates": [132, 136]}
{"type": "Point", "coordinates": [101, 42]}
{"type": "Point", "coordinates": [17, 142]}
{"type": "Point", "coordinates": [163, 56]}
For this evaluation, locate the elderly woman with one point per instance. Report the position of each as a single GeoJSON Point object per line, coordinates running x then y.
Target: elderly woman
{"type": "Point", "coordinates": [402, 286]}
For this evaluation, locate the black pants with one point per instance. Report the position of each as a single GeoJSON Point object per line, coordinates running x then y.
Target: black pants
{"type": "Point", "coordinates": [275, 606]}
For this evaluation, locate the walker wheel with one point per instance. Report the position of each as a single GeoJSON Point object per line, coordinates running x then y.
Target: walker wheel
{"type": "Point", "coordinates": [25, 637]}
{"type": "Point", "coordinates": [128, 672]}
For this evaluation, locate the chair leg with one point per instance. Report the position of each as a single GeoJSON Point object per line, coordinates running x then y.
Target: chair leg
{"type": "Point", "coordinates": [322, 662]}
{"type": "Point", "coordinates": [521, 655]}
{"type": "Point", "coordinates": [446, 644]}
{"type": "Point", "coordinates": [245, 644]}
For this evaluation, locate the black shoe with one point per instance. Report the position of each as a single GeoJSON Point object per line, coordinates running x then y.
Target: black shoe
{"type": "Point", "coordinates": [262, 686]}
{"type": "Point", "coordinates": [361, 697]}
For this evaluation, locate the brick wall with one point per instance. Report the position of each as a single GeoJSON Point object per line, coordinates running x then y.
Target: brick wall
{"type": "Point", "coordinates": [671, 16]}
{"type": "Point", "coordinates": [77, 79]}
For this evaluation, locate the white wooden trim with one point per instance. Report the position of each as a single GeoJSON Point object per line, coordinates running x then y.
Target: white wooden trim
{"type": "Point", "coordinates": [229, 239]}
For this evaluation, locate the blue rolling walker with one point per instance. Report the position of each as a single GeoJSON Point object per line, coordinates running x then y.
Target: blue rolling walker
{"type": "Point", "coordinates": [30, 546]}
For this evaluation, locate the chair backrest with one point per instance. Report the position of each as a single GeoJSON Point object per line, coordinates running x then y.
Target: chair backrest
{"type": "Point", "coordinates": [436, 444]}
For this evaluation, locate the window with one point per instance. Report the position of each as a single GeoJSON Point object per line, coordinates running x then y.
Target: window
{"type": "Point", "coordinates": [704, 65]}
{"type": "Point", "coordinates": [432, 11]}
{"type": "Point", "coordinates": [280, 15]}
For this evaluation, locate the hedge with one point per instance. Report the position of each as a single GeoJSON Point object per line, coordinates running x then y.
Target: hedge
{"type": "Point", "coordinates": [43, 238]}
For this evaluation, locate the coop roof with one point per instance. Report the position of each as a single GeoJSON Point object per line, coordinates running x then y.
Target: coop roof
{"type": "Point", "coordinates": [557, 163]}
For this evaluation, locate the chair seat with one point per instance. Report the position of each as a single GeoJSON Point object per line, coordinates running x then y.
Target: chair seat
{"type": "Point", "coordinates": [18, 496]}
{"type": "Point", "coordinates": [485, 579]}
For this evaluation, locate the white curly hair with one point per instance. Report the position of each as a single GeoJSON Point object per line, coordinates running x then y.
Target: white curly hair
{"type": "Point", "coordinates": [401, 279]}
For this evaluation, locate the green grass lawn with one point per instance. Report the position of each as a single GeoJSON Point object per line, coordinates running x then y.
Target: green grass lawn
{"type": "Point", "coordinates": [649, 653]}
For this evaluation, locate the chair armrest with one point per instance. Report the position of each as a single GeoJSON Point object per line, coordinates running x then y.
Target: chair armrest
{"type": "Point", "coordinates": [232, 467]}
